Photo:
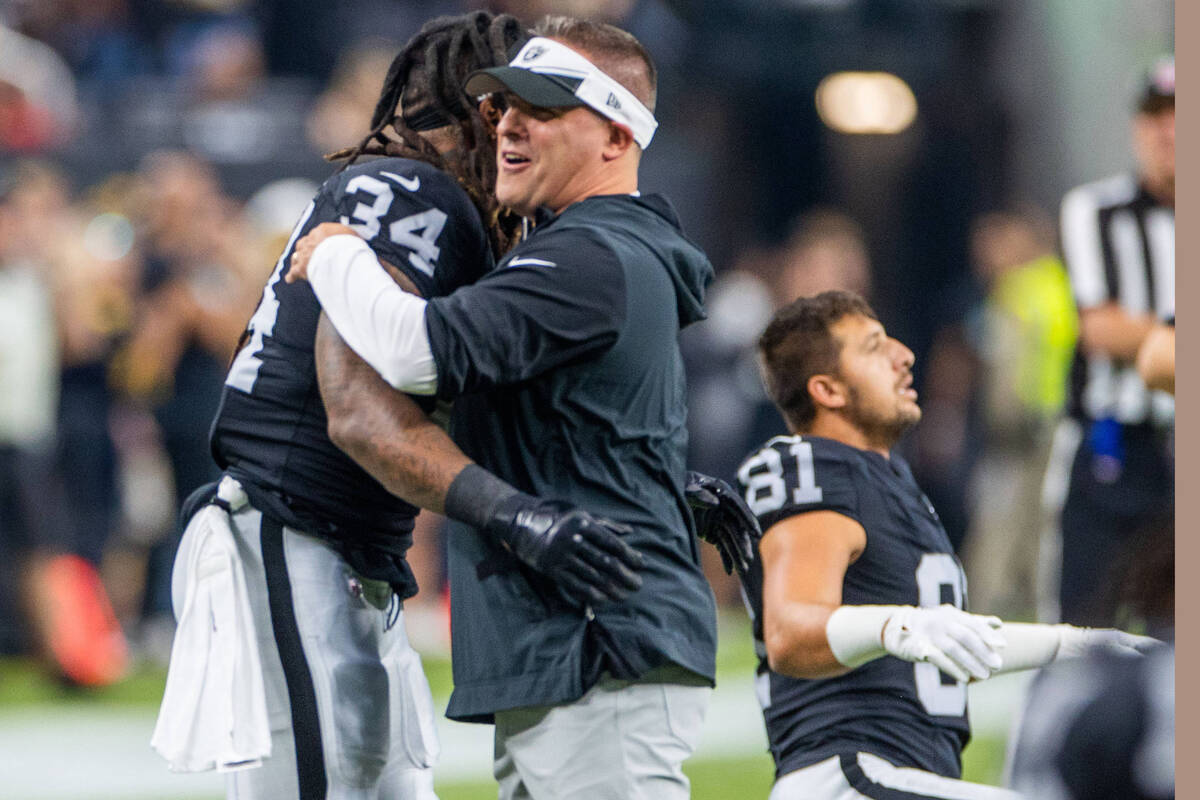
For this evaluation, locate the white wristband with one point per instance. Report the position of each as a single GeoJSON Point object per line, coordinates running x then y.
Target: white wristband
{"type": "Point", "coordinates": [855, 633]}
{"type": "Point", "coordinates": [380, 321]}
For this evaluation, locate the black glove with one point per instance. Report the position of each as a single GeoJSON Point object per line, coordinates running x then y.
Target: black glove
{"type": "Point", "coordinates": [723, 520]}
{"type": "Point", "coordinates": [582, 554]}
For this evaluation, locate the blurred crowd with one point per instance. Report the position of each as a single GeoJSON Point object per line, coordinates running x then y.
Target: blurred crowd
{"type": "Point", "coordinates": [123, 305]}
{"type": "Point", "coordinates": [154, 155]}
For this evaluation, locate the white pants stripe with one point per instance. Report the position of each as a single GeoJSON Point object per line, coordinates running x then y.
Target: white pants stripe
{"type": "Point", "coordinates": [868, 776]}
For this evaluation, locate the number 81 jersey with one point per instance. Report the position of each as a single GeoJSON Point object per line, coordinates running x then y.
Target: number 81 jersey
{"type": "Point", "coordinates": [910, 714]}
{"type": "Point", "coordinates": [271, 426]}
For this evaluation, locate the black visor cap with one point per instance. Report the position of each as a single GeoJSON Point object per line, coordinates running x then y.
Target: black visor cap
{"type": "Point", "coordinates": [537, 89]}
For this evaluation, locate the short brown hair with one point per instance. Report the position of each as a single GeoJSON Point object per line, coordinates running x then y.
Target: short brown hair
{"type": "Point", "coordinates": [798, 344]}
{"type": "Point", "coordinates": [616, 52]}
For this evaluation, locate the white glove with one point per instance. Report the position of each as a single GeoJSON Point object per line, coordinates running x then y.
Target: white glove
{"type": "Point", "coordinates": [1075, 642]}
{"type": "Point", "coordinates": [962, 645]}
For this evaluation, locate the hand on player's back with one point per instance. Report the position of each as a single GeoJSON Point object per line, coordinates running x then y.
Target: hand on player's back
{"type": "Point", "coordinates": [582, 553]}
{"type": "Point", "coordinates": [302, 252]}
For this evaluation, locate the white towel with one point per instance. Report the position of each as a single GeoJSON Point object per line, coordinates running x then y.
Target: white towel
{"type": "Point", "coordinates": [214, 708]}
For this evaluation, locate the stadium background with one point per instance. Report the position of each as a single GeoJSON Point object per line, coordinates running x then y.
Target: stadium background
{"type": "Point", "coordinates": [1015, 102]}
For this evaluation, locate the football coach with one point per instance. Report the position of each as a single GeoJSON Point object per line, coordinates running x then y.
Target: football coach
{"type": "Point", "coordinates": [568, 383]}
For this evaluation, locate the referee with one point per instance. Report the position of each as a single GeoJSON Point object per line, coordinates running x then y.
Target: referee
{"type": "Point", "coordinates": [1119, 244]}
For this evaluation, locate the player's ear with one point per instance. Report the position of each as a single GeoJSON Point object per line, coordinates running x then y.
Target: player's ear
{"type": "Point", "coordinates": [620, 140]}
{"type": "Point", "coordinates": [489, 109]}
{"type": "Point", "coordinates": [827, 391]}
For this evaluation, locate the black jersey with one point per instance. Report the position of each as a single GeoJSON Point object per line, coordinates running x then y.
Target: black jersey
{"type": "Point", "coordinates": [910, 714]}
{"type": "Point", "coordinates": [569, 383]}
{"type": "Point", "coordinates": [270, 430]}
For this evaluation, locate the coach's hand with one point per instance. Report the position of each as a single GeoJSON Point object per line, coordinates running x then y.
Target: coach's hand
{"type": "Point", "coordinates": [304, 247]}
{"type": "Point", "coordinates": [723, 520]}
{"type": "Point", "coordinates": [962, 645]}
{"type": "Point", "coordinates": [583, 554]}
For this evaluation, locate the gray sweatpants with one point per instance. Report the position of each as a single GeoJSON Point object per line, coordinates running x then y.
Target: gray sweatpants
{"type": "Point", "coordinates": [620, 741]}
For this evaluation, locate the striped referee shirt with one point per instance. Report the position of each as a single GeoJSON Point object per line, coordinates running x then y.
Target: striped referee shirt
{"type": "Point", "coordinates": [1119, 245]}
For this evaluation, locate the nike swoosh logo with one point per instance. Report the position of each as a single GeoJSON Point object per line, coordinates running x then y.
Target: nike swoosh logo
{"type": "Point", "coordinates": [412, 184]}
{"type": "Point", "coordinates": [530, 262]}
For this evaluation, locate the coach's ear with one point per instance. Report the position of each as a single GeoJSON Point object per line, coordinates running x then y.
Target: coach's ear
{"type": "Point", "coordinates": [620, 140]}
{"type": "Point", "coordinates": [827, 391]}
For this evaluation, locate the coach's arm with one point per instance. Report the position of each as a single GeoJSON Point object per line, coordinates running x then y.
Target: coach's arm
{"type": "Point", "coordinates": [388, 435]}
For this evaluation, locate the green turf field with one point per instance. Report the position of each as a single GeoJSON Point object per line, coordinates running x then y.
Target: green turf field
{"type": "Point", "coordinates": [28, 697]}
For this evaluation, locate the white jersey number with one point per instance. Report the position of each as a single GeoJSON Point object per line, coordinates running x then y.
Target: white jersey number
{"type": "Point", "coordinates": [937, 573]}
{"type": "Point", "coordinates": [416, 232]}
{"type": "Point", "coordinates": [766, 489]}
{"type": "Point", "coordinates": [244, 371]}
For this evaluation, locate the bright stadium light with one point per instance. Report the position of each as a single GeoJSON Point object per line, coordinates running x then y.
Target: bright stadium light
{"type": "Point", "coordinates": [865, 102]}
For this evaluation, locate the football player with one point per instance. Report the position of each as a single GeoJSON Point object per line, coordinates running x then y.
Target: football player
{"type": "Point", "coordinates": [865, 645]}
{"type": "Point", "coordinates": [320, 542]}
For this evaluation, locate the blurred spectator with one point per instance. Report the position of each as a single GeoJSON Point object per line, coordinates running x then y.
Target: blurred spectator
{"type": "Point", "coordinates": [1119, 243]}
{"type": "Point", "coordinates": [825, 250]}
{"type": "Point", "coordinates": [198, 289]}
{"type": "Point", "coordinates": [99, 39]}
{"type": "Point", "coordinates": [37, 95]}
{"type": "Point", "coordinates": [530, 11]}
{"type": "Point", "coordinates": [1024, 336]}
{"type": "Point", "coordinates": [943, 449]}
{"type": "Point", "coordinates": [340, 115]}
{"type": "Point", "coordinates": [56, 539]}
{"type": "Point", "coordinates": [28, 396]}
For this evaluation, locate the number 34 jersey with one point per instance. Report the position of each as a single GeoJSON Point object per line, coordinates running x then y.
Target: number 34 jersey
{"type": "Point", "coordinates": [910, 714]}
{"type": "Point", "coordinates": [271, 427]}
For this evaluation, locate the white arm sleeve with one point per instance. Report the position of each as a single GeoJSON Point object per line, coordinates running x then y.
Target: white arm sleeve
{"type": "Point", "coordinates": [1030, 645]}
{"type": "Point", "coordinates": [855, 633]}
{"type": "Point", "coordinates": [380, 321]}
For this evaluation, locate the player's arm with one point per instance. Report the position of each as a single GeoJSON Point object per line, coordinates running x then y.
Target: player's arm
{"type": "Point", "coordinates": [804, 561]}
{"type": "Point", "coordinates": [810, 634]}
{"type": "Point", "coordinates": [383, 430]}
{"type": "Point", "coordinates": [1029, 645]}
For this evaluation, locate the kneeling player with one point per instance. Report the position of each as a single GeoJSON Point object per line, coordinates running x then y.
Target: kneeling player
{"type": "Point", "coordinates": [858, 595]}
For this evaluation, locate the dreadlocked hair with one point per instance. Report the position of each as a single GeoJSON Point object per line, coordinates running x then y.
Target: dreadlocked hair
{"type": "Point", "coordinates": [435, 64]}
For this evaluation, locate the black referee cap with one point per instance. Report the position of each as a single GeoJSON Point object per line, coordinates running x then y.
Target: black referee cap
{"type": "Point", "coordinates": [1158, 89]}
